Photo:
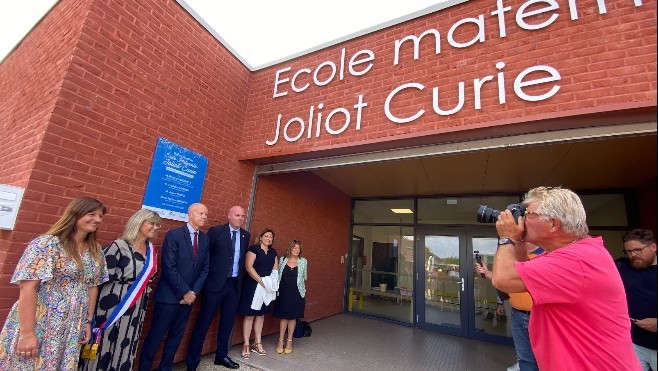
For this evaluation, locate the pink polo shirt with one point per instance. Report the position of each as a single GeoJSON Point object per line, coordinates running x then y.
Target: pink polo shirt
{"type": "Point", "coordinates": [579, 318]}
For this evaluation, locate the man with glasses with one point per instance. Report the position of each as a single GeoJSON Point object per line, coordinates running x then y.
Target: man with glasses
{"type": "Point", "coordinates": [638, 272]}
{"type": "Point", "coordinates": [579, 315]}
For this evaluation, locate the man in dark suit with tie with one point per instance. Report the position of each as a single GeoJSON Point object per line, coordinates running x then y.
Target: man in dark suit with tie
{"type": "Point", "coordinates": [184, 269]}
{"type": "Point", "coordinates": [228, 245]}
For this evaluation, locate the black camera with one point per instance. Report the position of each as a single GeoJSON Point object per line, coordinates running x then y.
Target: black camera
{"type": "Point", "coordinates": [488, 214]}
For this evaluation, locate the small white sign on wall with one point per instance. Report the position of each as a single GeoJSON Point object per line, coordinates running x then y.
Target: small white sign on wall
{"type": "Point", "coordinates": [10, 201]}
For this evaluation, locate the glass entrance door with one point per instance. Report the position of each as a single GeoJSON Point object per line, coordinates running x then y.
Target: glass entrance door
{"type": "Point", "coordinates": [450, 298]}
{"type": "Point", "coordinates": [439, 290]}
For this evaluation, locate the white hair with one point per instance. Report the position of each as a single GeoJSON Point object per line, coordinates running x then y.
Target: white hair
{"type": "Point", "coordinates": [561, 204]}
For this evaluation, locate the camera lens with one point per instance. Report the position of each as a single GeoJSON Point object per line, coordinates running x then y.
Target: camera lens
{"type": "Point", "coordinates": [487, 214]}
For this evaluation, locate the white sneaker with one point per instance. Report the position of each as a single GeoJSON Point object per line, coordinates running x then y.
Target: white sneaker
{"type": "Point", "coordinates": [514, 367]}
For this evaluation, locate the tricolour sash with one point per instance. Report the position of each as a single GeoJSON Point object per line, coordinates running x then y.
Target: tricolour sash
{"type": "Point", "coordinates": [131, 297]}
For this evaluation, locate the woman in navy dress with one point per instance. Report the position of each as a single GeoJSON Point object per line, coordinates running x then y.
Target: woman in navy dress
{"type": "Point", "coordinates": [292, 292]}
{"type": "Point", "coordinates": [260, 261]}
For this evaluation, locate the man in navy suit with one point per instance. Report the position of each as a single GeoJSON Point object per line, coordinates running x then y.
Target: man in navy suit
{"type": "Point", "coordinates": [228, 245]}
{"type": "Point", "coordinates": [184, 270]}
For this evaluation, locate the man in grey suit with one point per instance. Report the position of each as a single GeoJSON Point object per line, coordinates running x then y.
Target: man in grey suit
{"type": "Point", "coordinates": [221, 292]}
{"type": "Point", "coordinates": [184, 271]}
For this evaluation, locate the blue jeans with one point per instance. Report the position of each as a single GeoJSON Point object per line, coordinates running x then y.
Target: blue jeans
{"type": "Point", "coordinates": [521, 338]}
{"type": "Point", "coordinates": [646, 356]}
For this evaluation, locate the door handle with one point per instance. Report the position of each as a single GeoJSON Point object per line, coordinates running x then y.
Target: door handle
{"type": "Point", "coordinates": [462, 284]}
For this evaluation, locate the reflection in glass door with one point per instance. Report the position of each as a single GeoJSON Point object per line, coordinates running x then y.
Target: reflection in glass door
{"type": "Point", "coordinates": [443, 282]}
{"type": "Point", "coordinates": [453, 299]}
{"type": "Point", "coordinates": [440, 285]}
{"type": "Point", "coordinates": [487, 321]}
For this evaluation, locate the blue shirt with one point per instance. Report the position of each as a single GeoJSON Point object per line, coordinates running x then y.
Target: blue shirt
{"type": "Point", "coordinates": [191, 230]}
{"type": "Point", "coordinates": [640, 287]}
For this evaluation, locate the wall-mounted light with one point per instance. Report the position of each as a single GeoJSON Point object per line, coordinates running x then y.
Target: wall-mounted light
{"type": "Point", "coordinates": [402, 211]}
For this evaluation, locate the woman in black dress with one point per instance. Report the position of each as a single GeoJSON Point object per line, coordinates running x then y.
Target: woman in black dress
{"type": "Point", "coordinates": [292, 293]}
{"type": "Point", "coordinates": [260, 261]}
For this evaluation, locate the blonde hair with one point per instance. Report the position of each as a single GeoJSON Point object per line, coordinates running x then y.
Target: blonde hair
{"type": "Point", "coordinates": [64, 229]}
{"type": "Point", "coordinates": [561, 204]}
{"type": "Point", "coordinates": [135, 222]}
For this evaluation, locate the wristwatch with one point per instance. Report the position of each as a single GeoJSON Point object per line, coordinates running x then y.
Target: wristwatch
{"type": "Point", "coordinates": [506, 241]}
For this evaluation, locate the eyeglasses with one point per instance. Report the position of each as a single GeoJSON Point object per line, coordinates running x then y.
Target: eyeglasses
{"type": "Point", "coordinates": [532, 213]}
{"type": "Point", "coordinates": [636, 251]}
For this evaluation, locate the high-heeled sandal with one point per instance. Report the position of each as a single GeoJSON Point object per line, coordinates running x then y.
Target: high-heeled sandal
{"type": "Point", "coordinates": [245, 351]}
{"type": "Point", "coordinates": [261, 351]}
{"type": "Point", "coordinates": [279, 349]}
{"type": "Point", "coordinates": [288, 350]}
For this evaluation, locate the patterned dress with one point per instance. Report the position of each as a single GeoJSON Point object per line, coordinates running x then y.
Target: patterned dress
{"type": "Point", "coordinates": [119, 342]}
{"type": "Point", "coordinates": [61, 306]}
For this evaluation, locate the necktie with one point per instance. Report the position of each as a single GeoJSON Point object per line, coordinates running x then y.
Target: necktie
{"type": "Point", "coordinates": [195, 245]}
{"type": "Point", "coordinates": [233, 238]}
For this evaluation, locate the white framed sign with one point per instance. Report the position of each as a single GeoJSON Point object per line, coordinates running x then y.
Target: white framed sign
{"type": "Point", "coordinates": [10, 201]}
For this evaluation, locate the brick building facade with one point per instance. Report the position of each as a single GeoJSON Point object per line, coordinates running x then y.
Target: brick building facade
{"type": "Point", "coordinates": [88, 92]}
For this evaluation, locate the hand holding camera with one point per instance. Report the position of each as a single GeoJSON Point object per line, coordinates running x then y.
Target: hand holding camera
{"type": "Point", "coordinates": [509, 222]}
{"type": "Point", "coordinates": [508, 226]}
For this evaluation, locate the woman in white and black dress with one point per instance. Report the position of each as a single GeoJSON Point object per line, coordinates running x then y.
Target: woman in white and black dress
{"type": "Point", "coordinates": [291, 302]}
{"type": "Point", "coordinates": [125, 259]}
{"type": "Point", "coordinates": [260, 261]}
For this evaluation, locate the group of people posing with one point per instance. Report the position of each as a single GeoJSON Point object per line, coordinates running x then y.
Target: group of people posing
{"type": "Point", "coordinates": [74, 293]}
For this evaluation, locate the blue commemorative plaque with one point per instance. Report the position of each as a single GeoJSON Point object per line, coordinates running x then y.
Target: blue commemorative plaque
{"type": "Point", "coordinates": [176, 180]}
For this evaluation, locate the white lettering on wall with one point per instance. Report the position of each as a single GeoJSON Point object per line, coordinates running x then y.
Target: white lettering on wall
{"type": "Point", "coordinates": [307, 126]}
{"type": "Point", "coordinates": [277, 82]}
{"type": "Point", "coordinates": [370, 56]}
{"type": "Point", "coordinates": [387, 104]}
{"type": "Point", "coordinates": [533, 84]}
{"type": "Point", "coordinates": [520, 82]}
{"type": "Point", "coordinates": [294, 79]}
{"type": "Point", "coordinates": [416, 43]}
{"type": "Point", "coordinates": [500, 12]}
{"type": "Point", "coordinates": [359, 64]}
{"type": "Point", "coordinates": [479, 22]}
{"type": "Point", "coordinates": [521, 14]}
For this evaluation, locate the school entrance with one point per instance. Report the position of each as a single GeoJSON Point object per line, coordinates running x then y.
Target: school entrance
{"type": "Point", "coordinates": [413, 230]}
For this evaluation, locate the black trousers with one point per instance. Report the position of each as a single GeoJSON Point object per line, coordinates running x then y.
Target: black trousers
{"type": "Point", "coordinates": [226, 302]}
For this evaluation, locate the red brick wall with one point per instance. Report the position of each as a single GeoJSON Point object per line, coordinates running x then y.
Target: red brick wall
{"type": "Point", "coordinates": [138, 71]}
{"type": "Point", "coordinates": [603, 59]}
{"type": "Point", "coordinates": [130, 72]}
{"type": "Point", "coordinates": [31, 78]}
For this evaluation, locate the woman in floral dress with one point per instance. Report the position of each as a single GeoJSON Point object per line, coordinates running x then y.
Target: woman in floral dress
{"type": "Point", "coordinates": [58, 275]}
{"type": "Point", "coordinates": [125, 258]}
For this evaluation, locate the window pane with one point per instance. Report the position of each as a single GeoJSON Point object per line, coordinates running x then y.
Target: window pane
{"type": "Point", "coordinates": [381, 272]}
{"type": "Point", "coordinates": [380, 211]}
{"type": "Point", "coordinates": [612, 241]}
{"type": "Point", "coordinates": [458, 210]}
{"type": "Point", "coordinates": [605, 210]}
